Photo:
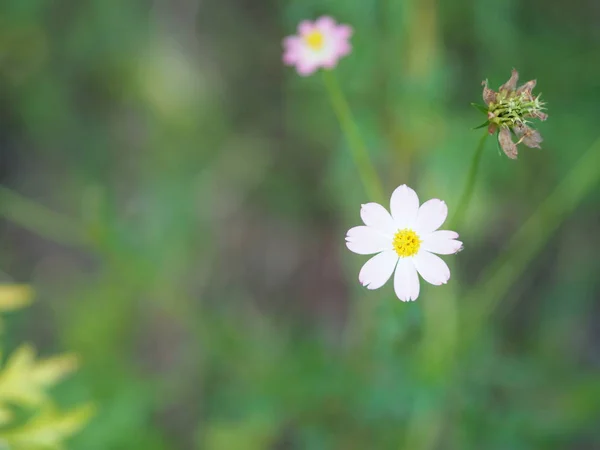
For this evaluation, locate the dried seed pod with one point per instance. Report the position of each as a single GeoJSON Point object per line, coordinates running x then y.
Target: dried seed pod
{"type": "Point", "coordinates": [509, 111]}
{"type": "Point", "coordinates": [511, 84]}
{"type": "Point", "coordinates": [527, 88]}
{"type": "Point", "coordinates": [489, 96]}
{"type": "Point", "coordinates": [531, 138]}
{"type": "Point", "coordinates": [506, 143]}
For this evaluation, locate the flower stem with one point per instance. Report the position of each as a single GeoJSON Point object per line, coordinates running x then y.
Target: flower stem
{"type": "Point", "coordinates": [467, 194]}
{"type": "Point", "coordinates": [529, 240]}
{"type": "Point", "coordinates": [41, 220]}
{"type": "Point", "coordinates": [358, 149]}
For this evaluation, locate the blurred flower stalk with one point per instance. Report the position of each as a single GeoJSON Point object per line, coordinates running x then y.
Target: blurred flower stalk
{"type": "Point", "coordinates": [321, 44]}
{"type": "Point", "coordinates": [465, 198]}
{"type": "Point", "coordinates": [29, 418]}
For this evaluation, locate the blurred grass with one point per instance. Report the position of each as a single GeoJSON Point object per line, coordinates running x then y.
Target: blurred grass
{"type": "Point", "coordinates": [179, 201]}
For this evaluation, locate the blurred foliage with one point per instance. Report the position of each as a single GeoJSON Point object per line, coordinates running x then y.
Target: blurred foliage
{"type": "Point", "coordinates": [179, 201]}
{"type": "Point", "coordinates": [29, 418]}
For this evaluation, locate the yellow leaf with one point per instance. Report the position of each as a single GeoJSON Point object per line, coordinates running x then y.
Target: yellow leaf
{"type": "Point", "coordinates": [16, 383]}
{"type": "Point", "coordinates": [49, 371]}
{"type": "Point", "coordinates": [21, 359]}
{"type": "Point", "coordinates": [14, 296]}
{"type": "Point", "coordinates": [5, 416]}
{"type": "Point", "coordinates": [49, 429]}
{"type": "Point", "coordinates": [24, 380]}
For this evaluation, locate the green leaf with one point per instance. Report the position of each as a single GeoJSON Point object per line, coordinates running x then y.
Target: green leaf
{"type": "Point", "coordinates": [480, 107]}
{"type": "Point", "coordinates": [484, 124]}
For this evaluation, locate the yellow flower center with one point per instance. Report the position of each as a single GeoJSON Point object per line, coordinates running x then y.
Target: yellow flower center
{"type": "Point", "coordinates": [406, 243]}
{"type": "Point", "coordinates": [315, 40]}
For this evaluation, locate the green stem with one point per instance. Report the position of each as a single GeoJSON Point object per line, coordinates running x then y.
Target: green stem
{"type": "Point", "coordinates": [40, 220]}
{"type": "Point", "coordinates": [499, 276]}
{"type": "Point", "coordinates": [467, 194]}
{"type": "Point", "coordinates": [358, 149]}
{"type": "Point", "coordinates": [436, 361]}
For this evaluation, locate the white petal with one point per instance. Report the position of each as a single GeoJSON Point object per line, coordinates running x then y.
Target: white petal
{"type": "Point", "coordinates": [432, 268]}
{"type": "Point", "coordinates": [376, 216]}
{"type": "Point", "coordinates": [406, 280]}
{"type": "Point", "coordinates": [432, 215]}
{"type": "Point", "coordinates": [442, 242]}
{"type": "Point", "coordinates": [367, 240]}
{"type": "Point", "coordinates": [447, 234]}
{"type": "Point", "coordinates": [404, 206]}
{"type": "Point", "coordinates": [378, 269]}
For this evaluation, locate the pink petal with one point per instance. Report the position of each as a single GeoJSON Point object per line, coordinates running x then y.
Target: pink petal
{"type": "Point", "coordinates": [291, 42]}
{"type": "Point", "coordinates": [305, 27]}
{"type": "Point", "coordinates": [305, 67]}
{"type": "Point", "coordinates": [290, 58]}
{"type": "Point", "coordinates": [326, 24]}
{"type": "Point", "coordinates": [344, 32]}
{"type": "Point", "coordinates": [292, 50]}
{"type": "Point", "coordinates": [343, 49]}
{"type": "Point", "coordinates": [331, 61]}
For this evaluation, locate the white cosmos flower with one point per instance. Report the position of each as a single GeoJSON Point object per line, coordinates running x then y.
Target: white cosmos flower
{"type": "Point", "coordinates": [404, 241]}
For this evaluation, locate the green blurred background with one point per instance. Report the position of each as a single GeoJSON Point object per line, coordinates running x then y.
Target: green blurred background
{"type": "Point", "coordinates": [179, 201]}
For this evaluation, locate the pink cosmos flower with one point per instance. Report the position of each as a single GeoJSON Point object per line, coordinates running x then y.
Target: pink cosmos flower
{"type": "Point", "coordinates": [318, 44]}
